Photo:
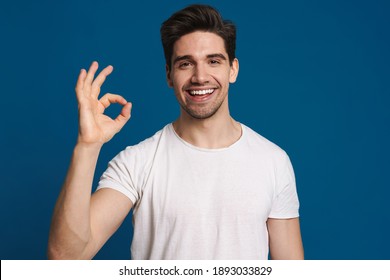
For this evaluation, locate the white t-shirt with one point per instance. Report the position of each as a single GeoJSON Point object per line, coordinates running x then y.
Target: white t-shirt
{"type": "Point", "coordinates": [195, 203]}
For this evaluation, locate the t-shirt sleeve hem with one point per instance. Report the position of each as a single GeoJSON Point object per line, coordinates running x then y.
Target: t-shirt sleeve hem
{"type": "Point", "coordinates": [284, 216]}
{"type": "Point", "coordinates": [125, 192]}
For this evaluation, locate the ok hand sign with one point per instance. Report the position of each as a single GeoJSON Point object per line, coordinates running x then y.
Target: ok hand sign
{"type": "Point", "coordinates": [94, 126]}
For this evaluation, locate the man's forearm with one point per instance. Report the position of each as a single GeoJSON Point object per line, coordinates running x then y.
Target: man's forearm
{"type": "Point", "coordinates": [70, 231]}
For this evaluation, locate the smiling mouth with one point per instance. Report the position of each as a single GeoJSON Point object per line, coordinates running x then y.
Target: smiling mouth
{"type": "Point", "coordinates": [201, 92]}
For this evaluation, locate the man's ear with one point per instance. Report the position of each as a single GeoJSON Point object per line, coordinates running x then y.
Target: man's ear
{"type": "Point", "coordinates": [234, 71]}
{"type": "Point", "coordinates": [168, 75]}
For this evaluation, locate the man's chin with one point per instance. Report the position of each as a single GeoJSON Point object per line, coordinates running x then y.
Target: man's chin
{"type": "Point", "coordinates": [199, 114]}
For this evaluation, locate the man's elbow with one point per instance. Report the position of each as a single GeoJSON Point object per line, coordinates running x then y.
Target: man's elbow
{"type": "Point", "coordinates": [57, 252]}
{"type": "Point", "coordinates": [53, 253]}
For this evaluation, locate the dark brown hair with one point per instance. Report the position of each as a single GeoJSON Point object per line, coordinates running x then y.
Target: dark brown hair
{"type": "Point", "coordinates": [197, 18]}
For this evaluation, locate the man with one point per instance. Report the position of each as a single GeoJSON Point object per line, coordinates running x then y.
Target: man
{"type": "Point", "coordinates": [203, 187]}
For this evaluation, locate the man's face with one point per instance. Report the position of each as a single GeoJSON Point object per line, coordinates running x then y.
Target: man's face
{"type": "Point", "coordinates": [200, 74]}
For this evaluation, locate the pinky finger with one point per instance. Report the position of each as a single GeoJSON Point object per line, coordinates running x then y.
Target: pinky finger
{"type": "Point", "coordinates": [80, 81]}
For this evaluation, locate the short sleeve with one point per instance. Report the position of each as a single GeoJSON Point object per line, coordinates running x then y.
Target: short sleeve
{"type": "Point", "coordinates": [285, 204]}
{"type": "Point", "coordinates": [119, 174]}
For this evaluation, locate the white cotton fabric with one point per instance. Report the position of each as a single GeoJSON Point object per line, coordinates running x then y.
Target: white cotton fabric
{"type": "Point", "coordinates": [195, 203]}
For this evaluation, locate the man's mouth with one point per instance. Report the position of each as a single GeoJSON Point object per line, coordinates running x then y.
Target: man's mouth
{"type": "Point", "coordinates": [201, 92]}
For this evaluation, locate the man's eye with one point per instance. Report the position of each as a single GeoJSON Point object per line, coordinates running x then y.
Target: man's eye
{"type": "Point", "coordinates": [214, 62]}
{"type": "Point", "coordinates": [184, 64]}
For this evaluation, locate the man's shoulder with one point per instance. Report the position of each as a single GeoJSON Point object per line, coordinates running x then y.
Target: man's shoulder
{"type": "Point", "coordinates": [258, 142]}
{"type": "Point", "coordinates": [149, 144]}
{"type": "Point", "coordinates": [143, 152]}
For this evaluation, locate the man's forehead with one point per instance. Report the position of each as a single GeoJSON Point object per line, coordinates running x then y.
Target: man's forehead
{"type": "Point", "coordinates": [199, 44]}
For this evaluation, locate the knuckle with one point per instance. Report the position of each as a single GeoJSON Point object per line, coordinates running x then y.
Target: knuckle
{"type": "Point", "coordinates": [96, 90]}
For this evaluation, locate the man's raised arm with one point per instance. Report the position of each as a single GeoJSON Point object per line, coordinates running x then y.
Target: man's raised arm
{"type": "Point", "coordinates": [81, 224]}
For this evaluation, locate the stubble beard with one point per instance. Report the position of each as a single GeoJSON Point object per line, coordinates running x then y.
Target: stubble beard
{"type": "Point", "coordinates": [201, 114]}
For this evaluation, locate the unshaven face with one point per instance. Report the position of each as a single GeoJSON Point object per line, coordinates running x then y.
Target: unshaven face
{"type": "Point", "coordinates": [201, 73]}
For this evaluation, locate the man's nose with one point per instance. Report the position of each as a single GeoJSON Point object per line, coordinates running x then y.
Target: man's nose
{"type": "Point", "coordinates": [200, 75]}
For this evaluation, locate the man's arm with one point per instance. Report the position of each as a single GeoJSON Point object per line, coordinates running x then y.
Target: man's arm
{"type": "Point", "coordinates": [285, 239]}
{"type": "Point", "coordinates": [81, 224]}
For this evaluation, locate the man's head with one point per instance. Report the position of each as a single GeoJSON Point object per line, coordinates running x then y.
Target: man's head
{"type": "Point", "coordinates": [197, 18]}
{"type": "Point", "coordinates": [200, 61]}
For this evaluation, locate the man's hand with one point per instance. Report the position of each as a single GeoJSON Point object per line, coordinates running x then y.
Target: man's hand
{"type": "Point", "coordinates": [94, 126]}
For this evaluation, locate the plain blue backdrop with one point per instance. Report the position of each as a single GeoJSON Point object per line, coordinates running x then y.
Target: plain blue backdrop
{"type": "Point", "coordinates": [314, 79]}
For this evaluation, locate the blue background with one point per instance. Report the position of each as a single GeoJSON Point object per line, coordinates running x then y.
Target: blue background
{"type": "Point", "coordinates": [314, 78]}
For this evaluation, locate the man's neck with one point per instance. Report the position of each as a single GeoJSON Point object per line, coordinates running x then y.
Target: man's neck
{"type": "Point", "coordinates": [211, 133]}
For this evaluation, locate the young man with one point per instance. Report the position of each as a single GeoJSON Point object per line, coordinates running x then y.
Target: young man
{"type": "Point", "coordinates": [203, 187]}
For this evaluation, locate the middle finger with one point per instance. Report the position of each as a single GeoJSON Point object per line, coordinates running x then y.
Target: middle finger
{"type": "Point", "coordinates": [97, 83]}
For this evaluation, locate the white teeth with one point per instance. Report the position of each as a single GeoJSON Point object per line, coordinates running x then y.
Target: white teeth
{"type": "Point", "coordinates": [201, 92]}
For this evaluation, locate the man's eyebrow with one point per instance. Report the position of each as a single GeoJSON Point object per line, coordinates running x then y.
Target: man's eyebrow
{"type": "Point", "coordinates": [217, 55]}
{"type": "Point", "coordinates": [190, 57]}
